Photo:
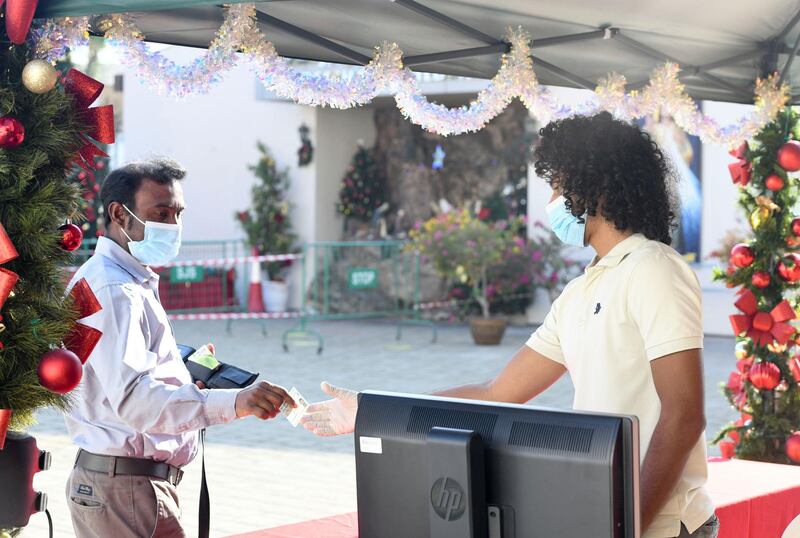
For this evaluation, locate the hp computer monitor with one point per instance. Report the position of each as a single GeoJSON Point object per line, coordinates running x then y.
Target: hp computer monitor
{"type": "Point", "coordinates": [429, 467]}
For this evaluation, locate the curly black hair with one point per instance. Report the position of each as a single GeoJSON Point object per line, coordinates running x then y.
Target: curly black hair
{"type": "Point", "coordinates": [601, 164]}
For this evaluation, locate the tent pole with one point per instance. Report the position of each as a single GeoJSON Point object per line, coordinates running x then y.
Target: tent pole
{"type": "Point", "coordinates": [563, 73]}
{"type": "Point", "coordinates": [602, 33]}
{"type": "Point", "coordinates": [788, 28]}
{"type": "Point", "coordinates": [730, 60]}
{"type": "Point", "coordinates": [296, 31]}
{"type": "Point", "coordinates": [498, 48]}
{"type": "Point", "coordinates": [691, 70]}
{"type": "Point", "coordinates": [501, 47]}
{"type": "Point", "coordinates": [788, 65]}
{"type": "Point", "coordinates": [441, 18]}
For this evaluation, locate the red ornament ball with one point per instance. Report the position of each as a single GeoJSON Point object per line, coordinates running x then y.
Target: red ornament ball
{"type": "Point", "coordinates": [765, 375]}
{"type": "Point", "coordinates": [789, 267]}
{"type": "Point", "coordinates": [789, 156]}
{"type": "Point", "coordinates": [793, 447]}
{"type": "Point", "coordinates": [71, 237]}
{"type": "Point", "coordinates": [12, 132]}
{"type": "Point", "coordinates": [760, 279]}
{"type": "Point", "coordinates": [796, 226]}
{"type": "Point", "coordinates": [742, 255]}
{"type": "Point", "coordinates": [60, 371]}
{"type": "Point", "coordinates": [774, 182]}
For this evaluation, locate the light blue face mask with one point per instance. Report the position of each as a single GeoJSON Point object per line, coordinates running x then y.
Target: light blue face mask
{"type": "Point", "coordinates": [160, 245]}
{"type": "Point", "coordinates": [571, 230]}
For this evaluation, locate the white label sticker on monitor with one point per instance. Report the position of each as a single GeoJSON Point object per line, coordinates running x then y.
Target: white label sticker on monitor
{"type": "Point", "coordinates": [371, 445]}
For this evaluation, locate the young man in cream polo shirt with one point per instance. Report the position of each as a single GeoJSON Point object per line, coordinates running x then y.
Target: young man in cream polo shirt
{"type": "Point", "coordinates": [628, 331]}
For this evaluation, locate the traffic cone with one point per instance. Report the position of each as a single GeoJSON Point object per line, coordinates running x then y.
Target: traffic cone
{"type": "Point", "coordinates": [255, 296]}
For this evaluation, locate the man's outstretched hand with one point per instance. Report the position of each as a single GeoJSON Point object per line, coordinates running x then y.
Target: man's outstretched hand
{"type": "Point", "coordinates": [332, 417]}
{"type": "Point", "coordinates": [262, 399]}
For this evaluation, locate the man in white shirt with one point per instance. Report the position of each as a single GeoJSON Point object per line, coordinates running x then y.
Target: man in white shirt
{"type": "Point", "coordinates": [628, 331]}
{"type": "Point", "coordinates": [137, 414]}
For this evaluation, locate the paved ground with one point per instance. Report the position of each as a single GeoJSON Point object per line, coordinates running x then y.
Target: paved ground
{"type": "Point", "coordinates": [267, 474]}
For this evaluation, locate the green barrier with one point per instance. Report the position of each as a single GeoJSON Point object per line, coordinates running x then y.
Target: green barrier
{"type": "Point", "coordinates": [357, 280]}
{"type": "Point", "coordinates": [346, 280]}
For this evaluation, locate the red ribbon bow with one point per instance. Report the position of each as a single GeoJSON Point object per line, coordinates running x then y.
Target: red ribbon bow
{"type": "Point", "coordinates": [8, 279]}
{"type": "Point", "coordinates": [100, 119]}
{"type": "Point", "coordinates": [742, 168]}
{"type": "Point", "coordinates": [763, 327]}
{"type": "Point", "coordinates": [19, 15]}
{"type": "Point", "coordinates": [736, 386]}
{"type": "Point", "coordinates": [83, 339]}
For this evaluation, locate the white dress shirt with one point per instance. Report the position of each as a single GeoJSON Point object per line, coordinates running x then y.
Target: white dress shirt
{"type": "Point", "coordinates": [136, 397]}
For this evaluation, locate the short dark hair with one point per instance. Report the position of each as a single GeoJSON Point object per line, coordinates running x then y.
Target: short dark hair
{"type": "Point", "coordinates": [604, 165]}
{"type": "Point", "coordinates": [122, 184]}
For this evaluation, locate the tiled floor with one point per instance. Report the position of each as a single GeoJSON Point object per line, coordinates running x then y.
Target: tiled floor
{"type": "Point", "coordinates": [267, 474]}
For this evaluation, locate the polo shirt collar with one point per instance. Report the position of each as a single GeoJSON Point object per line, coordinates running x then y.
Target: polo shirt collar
{"type": "Point", "coordinates": [619, 252]}
{"type": "Point", "coordinates": [111, 250]}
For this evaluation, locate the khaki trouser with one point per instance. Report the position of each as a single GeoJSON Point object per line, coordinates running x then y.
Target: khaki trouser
{"type": "Point", "coordinates": [709, 530]}
{"type": "Point", "coordinates": [122, 506]}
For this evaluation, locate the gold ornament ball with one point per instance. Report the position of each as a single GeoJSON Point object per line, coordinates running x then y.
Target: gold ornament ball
{"type": "Point", "coordinates": [39, 76]}
{"type": "Point", "coordinates": [741, 350]}
{"type": "Point", "coordinates": [759, 217]}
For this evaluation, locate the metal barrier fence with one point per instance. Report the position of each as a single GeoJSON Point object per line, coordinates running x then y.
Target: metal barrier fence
{"type": "Point", "coordinates": [196, 282]}
{"type": "Point", "coordinates": [358, 280]}
{"type": "Point", "coordinates": [340, 280]}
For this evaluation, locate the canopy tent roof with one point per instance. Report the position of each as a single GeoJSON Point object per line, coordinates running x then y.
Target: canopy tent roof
{"type": "Point", "coordinates": [722, 45]}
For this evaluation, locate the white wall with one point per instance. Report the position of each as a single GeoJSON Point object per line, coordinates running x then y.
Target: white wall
{"type": "Point", "coordinates": [214, 136]}
{"type": "Point", "coordinates": [721, 213]}
{"type": "Point", "coordinates": [337, 135]}
{"type": "Point", "coordinates": [720, 210]}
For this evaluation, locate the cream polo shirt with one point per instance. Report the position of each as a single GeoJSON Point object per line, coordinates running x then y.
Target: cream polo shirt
{"type": "Point", "coordinates": [638, 303]}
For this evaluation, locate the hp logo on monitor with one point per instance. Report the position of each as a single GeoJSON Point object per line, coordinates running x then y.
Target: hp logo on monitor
{"type": "Point", "coordinates": [447, 498]}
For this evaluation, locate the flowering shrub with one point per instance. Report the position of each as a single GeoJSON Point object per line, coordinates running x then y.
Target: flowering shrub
{"type": "Point", "coordinates": [491, 266]}
{"type": "Point", "coordinates": [463, 250]}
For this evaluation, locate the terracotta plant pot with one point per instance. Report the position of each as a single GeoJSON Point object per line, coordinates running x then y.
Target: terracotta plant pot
{"type": "Point", "coordinates": [487, 332]}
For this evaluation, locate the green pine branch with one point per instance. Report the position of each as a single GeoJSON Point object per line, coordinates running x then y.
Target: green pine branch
{"type": "Point", "coordinates": [36, 197]}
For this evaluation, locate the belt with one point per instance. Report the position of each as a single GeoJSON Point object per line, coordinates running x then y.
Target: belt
{"type": "Point", "coordinates": [120, 465]}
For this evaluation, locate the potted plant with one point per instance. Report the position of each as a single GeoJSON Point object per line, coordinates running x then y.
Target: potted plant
{"type": "Point", "coordinates": [512, 283]}
{"type": "Point", "coordinates": [268, 227]}
{"type": "Point", "coordinates": [464, 249]}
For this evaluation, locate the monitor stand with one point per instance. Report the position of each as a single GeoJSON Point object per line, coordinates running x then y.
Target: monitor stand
{"type": "Point", "coordinates": [457, 498]}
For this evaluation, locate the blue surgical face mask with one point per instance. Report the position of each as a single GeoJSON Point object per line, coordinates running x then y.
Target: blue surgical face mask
{"type": "Point", "coordinates": [160, 245]}
{"type": "Point", "coordinates": [571, 230]}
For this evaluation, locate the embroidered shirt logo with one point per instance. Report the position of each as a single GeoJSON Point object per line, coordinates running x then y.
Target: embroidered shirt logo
{"type": "Point", "coordinates": [597, 309]}
{"type": "Point", "coordinates": [83, 489]}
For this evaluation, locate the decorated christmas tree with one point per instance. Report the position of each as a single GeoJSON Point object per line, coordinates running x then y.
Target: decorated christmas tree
{"type": "Point", "coordinates": [363, 187]}
{"type": "Point", "coordinates": [267, 222]}
{"type": "Point", "coordinates": [766, 269]}
{"type": "Point", "coordinates": [46, 121]}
